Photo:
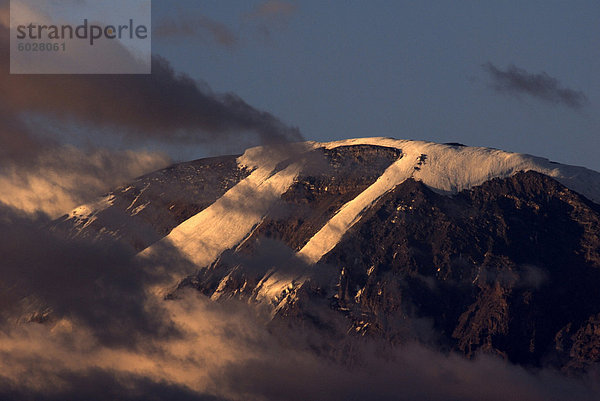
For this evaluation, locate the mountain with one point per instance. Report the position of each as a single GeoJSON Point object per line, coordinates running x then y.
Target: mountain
{"type": "Point", "coordinates": [462, 248]}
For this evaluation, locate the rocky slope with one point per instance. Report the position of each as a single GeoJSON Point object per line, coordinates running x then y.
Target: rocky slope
{"type": "Point", "coordinates": [146, 210]}
{"type": "Point", "coordinates": [466, 249]}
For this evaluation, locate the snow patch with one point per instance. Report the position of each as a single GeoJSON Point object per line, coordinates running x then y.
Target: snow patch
{"type": "Point", "coordinates": [137, 198]}
{"type": "Point", "coordinates": [274, 287]}
{"type": "Point", "coordinates": [331, 233]}
{"type": "Point", "coordinates": [87, 210]}
{"type": "Point", "coordinates": [445, 169]}
{"type": "Point", "coordinates": [139, 208]}
{"type": "Point", "coordinates": [229, 220]}
{"type": "Point", "coordinates": [450, 169]}
{"type": "Point", "coordinates": [85, 215]}
{"type": "Point", "coordinates": [277, 289]}
{"type": "Point", "coordinates": [221, 288]}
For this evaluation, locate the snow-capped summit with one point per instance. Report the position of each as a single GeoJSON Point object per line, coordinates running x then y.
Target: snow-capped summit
{"type": "Point", "coordinates": [450, 168]}
{"type": "Point", "coordinates": [447, 169]}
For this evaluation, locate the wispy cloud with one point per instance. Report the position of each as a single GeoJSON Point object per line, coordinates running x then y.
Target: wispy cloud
{"type": "Point", "coordinates": [516, 81]}
{"type": "Point", "coordinates": [198, 26]}
{"type": "Point", "coordinates": [63, 177]}
{"type": "Point", "coordinates": [226, 353]}
{"type": "Point", "coordinates": [164, 106]}
{"type": "Point", "coordinates": [263, 18]}
{"type": "Point", "coordinates": [273, 9]}
{"type": "Point", "coordinates": [4, 14]}
{"type": "Point", "coordinates": [270, 15]}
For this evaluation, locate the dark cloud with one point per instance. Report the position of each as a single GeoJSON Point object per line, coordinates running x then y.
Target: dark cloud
{"type": "Point", "coordinates": [161, 106]}
{"type": "Point", "coordinates": [516, 81]}
{"type": "Point", "coordinates": [101, 286]}
{"type": "Point", "coordinates": [164, 106]}
{"type": "Point", "coordinates": [16, 141]}
{"type": "Point", "coordinates": [196, 26]}
{"type": "Point", "coordinates": [226, 350]}
{"type": "Point", "coordinates": [102, 385]}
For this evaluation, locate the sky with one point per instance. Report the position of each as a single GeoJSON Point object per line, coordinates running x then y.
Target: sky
{"type": "Point", "coordinates": [405, 69]}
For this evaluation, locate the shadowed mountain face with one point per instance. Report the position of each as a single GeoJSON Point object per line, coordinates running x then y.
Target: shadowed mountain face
{"type": "Point", "coordinates": [511, 267]}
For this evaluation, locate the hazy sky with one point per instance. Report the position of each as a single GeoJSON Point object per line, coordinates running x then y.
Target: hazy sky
{"type": "Point", "coordinates": [406, 69]}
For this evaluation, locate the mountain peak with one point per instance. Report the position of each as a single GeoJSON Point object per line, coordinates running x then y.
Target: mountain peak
{"type": "Point", "coordinates": [499, 251]}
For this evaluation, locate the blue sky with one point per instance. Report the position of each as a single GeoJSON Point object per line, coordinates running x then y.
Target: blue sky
{"type": "Point", "coordinates": [406, 69]}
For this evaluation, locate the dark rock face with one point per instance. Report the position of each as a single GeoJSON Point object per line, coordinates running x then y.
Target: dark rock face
{"type": "Point", "coordinates": [511, 267]}
{"type": "Point", "coordinates": [579, 347]}
{"type": "Point", "coordinates": [501, 268]}
{"type": "Point", "coordinates": [154, 204]}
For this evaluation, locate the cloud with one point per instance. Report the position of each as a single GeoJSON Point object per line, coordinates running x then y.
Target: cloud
{"type": "Point", "coordinates": [406, 373]}
{"type": "Point", "coordinates": [109, 336]}
{"type": "Point", "coordinates": [273, 9]}
{"type": "Point", "coordinates": [195, 26]}
{"type": "Point", "coordinates": [102, 385]}
{"type": "Point", "coordinates": [164, 106]}
{"type": "Point", "coordinates": [516, 81]}
{"type": "Point", "coordinates": [264, 17]}
{"type": "Point", "coordinates": [100, 286]}
{"type": "Point", "coordinates": [58, 180]}
{"type": "Point", "coordinates": [59, 360]}
{"type": "Point", "coordinates": [4, 14]}
{"type": "Point", "coordinates": [269, 15]}
{"type": "Point", "coordinates": [227, 353]}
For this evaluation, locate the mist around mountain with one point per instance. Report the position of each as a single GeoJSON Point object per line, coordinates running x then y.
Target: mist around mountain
{"type": "Point", "coordinates": [371, 269]}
